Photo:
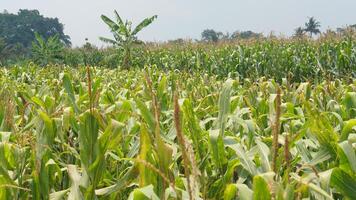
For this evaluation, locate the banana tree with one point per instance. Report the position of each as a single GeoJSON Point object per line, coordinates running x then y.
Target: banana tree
{"type": "Point", "coordinates": [47, 51]}
{"type": "Point", "coordinates": [124, 36]}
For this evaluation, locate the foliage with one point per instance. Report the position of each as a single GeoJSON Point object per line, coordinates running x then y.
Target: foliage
{"type": "Point", "coordinates": [124, 36]}
{"type": "Point", "coordinates": [246, 35]}
{"type": "Point", "coordinates": [21, 27]}
{"type": "Point", "coordinates": [46, 52]}
{"type": "Point", "coordinates": [299, 59]}
{"type": "Point", "coordinates": [10, 53]}
{"type": "Point", "coordinates": [312, 26]}
{"type": "Point", "coordinates": [299, 32]}
{"type": "Point", "coordinates": [348, 30]}
{"type": "Point", "coordinates": [154, 134]}
{"type": "Point", "coordinates": [210, 35]}
{"type": "Point", "coordinates": [3, 50]}
{"type": "Point", "coordinates": [91, 54]}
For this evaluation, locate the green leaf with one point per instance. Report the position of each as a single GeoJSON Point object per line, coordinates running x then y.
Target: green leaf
{"type": "Point", "coordinates": [344, 183]}
{"type": "Point", "coordinates": [145, 175]}
{"type": "Point", "coordinates": [217, 148]}
{"type": "Point", "coordinates": [109, 41]}
{"type": "Point", "coordinates": [224, 106]}
{"type": "Point", "coordinates": [46, 137]}
{"type": "Point", "coordinates": [264, 154]}
{"type": "Point", "coordinates": [348, 128]}
{"type": "Point", "coordinates": [146, 114]}
{"type": "Point", "coordinates": [347, 157]}
{"type": "Point", "coordinates": [144, 193]}
{"type": "Point", "coordinates": [67, 118]}
{"type": "Point", "coordinates": [260, 189]}
{"type": "Point", "coordinates": [144, 24]}
{"type": "Point", "coordinates": [321, 128]}
{"type": "Point", "coordinates": [70, 91]}
{"type": "Point", "coordinates": [244, 192]}
{"type": "Point", "coordinates": [230, 192]}
{"type": "Point", "coordinates": [127, 178]}
{"type": "Point", "coordinates": [315, 188]}
{"type": "Point", "coordinates": [289, 193]}
{"type": "Point", "coordinates": [120, 22]}
{"type": "Point", "coordinates": [192, 126]}
{"type": "Point", "coordinates": [246, 162]}
{"type": "Point", "coordinates": [113, 26]}
{"type": "Point", "coordinates": [58, 195]}
{"type": "Point", "coordinates": [350, 104]}
{"type": "Point", "coordinates": [88, 137]}
{"type": "Point", "coordinates": [76, 182]}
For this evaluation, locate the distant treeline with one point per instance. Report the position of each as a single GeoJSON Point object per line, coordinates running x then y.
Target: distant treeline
{"type": "Point", "coordinates": [17, 33]}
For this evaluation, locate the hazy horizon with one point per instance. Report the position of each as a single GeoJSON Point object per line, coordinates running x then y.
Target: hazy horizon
{"type": "Point", "coordinates": [187, 19]}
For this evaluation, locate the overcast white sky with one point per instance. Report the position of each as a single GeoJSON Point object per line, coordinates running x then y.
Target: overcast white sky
{"type": "Point", "coordinates": [187, 18]}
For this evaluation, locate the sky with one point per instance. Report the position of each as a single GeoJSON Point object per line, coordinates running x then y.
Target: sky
{"type": "Point", "coordinates": [188, 18]}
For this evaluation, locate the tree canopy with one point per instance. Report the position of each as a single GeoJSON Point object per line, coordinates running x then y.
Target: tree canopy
{"type": "Point", "coordinates": [124, 36]}
{"type": "Point", "coordinates": [20, 28]}
{"type": "Point", "coordinates": [245, 35]}
{"type": "Point", "coordinates": [299, 32]}
{"type": "Point", "coordinates": [312, 26]}
{"type": "Point", "coordinates": [210, 35]}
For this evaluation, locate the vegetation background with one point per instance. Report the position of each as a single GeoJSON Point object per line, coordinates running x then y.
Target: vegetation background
{"type": "Point", "coordinates": [229, 116]}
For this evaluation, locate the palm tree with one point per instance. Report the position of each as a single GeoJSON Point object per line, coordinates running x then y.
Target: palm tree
{"type": "Point", "coordinates": [312, 26]}
{"type": "Point", "coordinates": [299, 32]}
{"type": "Point", "coordinates": [124, 36]}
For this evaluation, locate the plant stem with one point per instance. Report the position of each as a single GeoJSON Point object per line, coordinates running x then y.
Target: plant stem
{"type": "Point", "coordinates": [276, 130]}
{"type": "Point", "coordinates": [182, 144]}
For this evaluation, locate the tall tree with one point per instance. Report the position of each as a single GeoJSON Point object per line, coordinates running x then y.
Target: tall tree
{"type": "Point", "coordinates": [245, 35]}
{"type": "Point", "coordinates": [312, 26]}
{"type": "Point", "coordinates": [21, 27]}
{"type": "Point", "coordinates": [299, 32]}
{"type": "Point", "coordinates": [210, 35]}
{"type": "Point", "coordinates": [10, 52]}
{"type": "Point", "coordinates": [3, 51]}
{"type": "Point", "coordinates": [124, 36]}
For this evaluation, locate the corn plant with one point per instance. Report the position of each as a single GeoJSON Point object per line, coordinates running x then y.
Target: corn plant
{"type": "Point", "coordinates": [98, 133]}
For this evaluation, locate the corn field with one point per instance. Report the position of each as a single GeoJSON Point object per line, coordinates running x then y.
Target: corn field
{"type": "Point", "coordinates": [300, 60]}
{"type": "Point", "coordinates": [98, 133]}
